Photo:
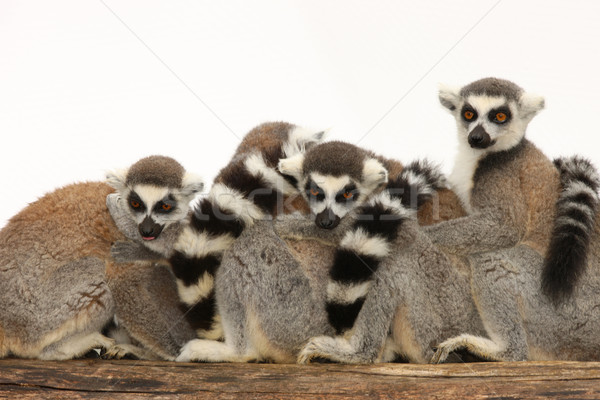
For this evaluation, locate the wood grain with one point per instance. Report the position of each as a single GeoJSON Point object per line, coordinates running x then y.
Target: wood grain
{"type": "Point", "coordinates": [81, 379]}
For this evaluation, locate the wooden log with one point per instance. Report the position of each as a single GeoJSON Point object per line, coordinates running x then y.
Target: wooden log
{"type": "Point", "coordinates": [81, 379]}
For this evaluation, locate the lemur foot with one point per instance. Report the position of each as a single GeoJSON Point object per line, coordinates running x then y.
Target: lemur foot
{"type": "Point", "coordinates": [478, 346]}
{"type": "Point", "coordinates": [202, 350]}
{"type": "Point", "coordinates": [328, 349]}
{"type": "Point", "coordinates": [123, 351]}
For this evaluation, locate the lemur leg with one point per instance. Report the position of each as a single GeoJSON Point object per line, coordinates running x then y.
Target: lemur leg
{"type": "Point", "coordinates": [147, 310]}
{"type": "Point", "coordinates": [236, 347]}
{"type": "Point", "coordinates": [366, 342]}
{"type": "Point", "coordinates": [495, 285]}
{"type": "Point", "coordinates": [84, 306]}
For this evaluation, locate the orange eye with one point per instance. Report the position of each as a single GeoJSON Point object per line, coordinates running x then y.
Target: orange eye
{"type": "Point", "coordinates": [314, 192]}
{"type": "Point", "coordinates": [135, 204]}
{"type": "Point", "coordinates": [166, 207]}
{"type": "Point", "coordinates": [500, 117]}
{"type": "Point", "coordinates": [348, 195]}
{"type": "Point", "coordinates": [469, 115]}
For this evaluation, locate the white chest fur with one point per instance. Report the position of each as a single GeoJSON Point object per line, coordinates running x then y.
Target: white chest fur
{"type": "Point", "coordinates": [461, 177]}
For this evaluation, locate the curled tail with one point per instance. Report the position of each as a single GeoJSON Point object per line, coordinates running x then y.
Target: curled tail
{"type": "Point", "coordinates": [576, 209]}
{"type": "Point", "coordinates": [371, 238]}
{"type": "Point", "coordinates": [248, 189]}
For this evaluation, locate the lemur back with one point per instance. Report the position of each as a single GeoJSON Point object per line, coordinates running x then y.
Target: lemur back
{"type": "Point", "coordinates": [56, 287]}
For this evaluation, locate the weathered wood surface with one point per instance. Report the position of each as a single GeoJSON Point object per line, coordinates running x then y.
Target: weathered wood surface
{"type": "Point", "coordinates": [144, 379]}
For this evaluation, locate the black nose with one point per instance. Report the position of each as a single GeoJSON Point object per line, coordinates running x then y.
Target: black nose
{"type": "Point", "coordinates": [479, 138]}
{"type": "Point", "coordinates": [326, 219]}
{"type": "Point", "coordinates": [149, 229]}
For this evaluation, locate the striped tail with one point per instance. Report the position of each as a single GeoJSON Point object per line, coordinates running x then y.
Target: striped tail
{"type": "Point", "coordinates": [248, 189]}
{"type": "Point", "coordinates": [371, 238]}
{"type": "Point", "coordinates": [576, 208]}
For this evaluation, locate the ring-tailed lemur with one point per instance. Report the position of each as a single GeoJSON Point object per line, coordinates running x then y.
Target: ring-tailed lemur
{"type": "Point", "coordinates": [337, 177]}
{"type": "Point", "coordinates": [425, 296]}
{"type": "Point", "coordinates": [507, 185]}
{"type": "Point", "coordinates": [248, 189]}
{"type": "Point", "coordinates": [59, 285]}
{"type": "Point", "coordinates": [272, 291]}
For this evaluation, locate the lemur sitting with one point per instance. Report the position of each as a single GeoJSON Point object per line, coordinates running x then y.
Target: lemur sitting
{"type": "Point", "coordinates": [509, 187]}
{"type": "Point", "coordinates": [272, 293]}
{"type": "Point", "coordinates": [59, 285]}
{"type": "Point", "coordinates": [248, 189]}
{"type": "Point", "coordinates": [491, 305]}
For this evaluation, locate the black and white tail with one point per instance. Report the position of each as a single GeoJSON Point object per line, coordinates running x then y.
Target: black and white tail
{"type": "Point", "coordinates": [248, 189]}
{"type": "Point", "coordinates": [371, 237]}
{"type": "Point", "coordinates": [576, 208]}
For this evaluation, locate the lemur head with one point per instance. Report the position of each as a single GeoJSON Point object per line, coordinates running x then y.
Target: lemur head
{"type": "Point", "coordinates": [491, 114]}
{"type": "Point", "coordinates": [335, 177]}
{"type": "Point", "coordinates": [157, 191]}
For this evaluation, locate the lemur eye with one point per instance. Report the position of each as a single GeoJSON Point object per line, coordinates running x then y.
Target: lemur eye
{"type": "Point", "coordinates": [348, 195]}
{"type": "Point", "coordinates": [166, 207]}
{"type": "Point", "coordinates": [468, 115]}
{"type": "Point", "coordinates": [500, 117]}
{"type": "Point", "coordinates": [314, 192]}
{"type": "Point", "coordinates": [135, 204]}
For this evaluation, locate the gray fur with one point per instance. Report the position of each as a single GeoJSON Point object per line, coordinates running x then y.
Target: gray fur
{"type": "Point", "coordinates": [159, 327]}
{"type": "Point", "coordinates": [493, 87]}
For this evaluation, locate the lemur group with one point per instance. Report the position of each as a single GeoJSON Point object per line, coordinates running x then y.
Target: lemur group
{"type": "Point", "coordinates": [307, 250]}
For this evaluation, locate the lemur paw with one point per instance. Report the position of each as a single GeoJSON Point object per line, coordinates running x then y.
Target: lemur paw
{"type": "Point", "coordinates": [475, 345]}
{"type": "Point", "coordinates": [321, 349]}
{"type": "Point", "coordinates": [121, 351]}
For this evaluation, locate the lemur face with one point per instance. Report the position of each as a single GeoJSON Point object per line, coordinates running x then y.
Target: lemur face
{"type": "Point", "coordinates": [335, 178]}
{"type": "Point", "coordinates": [330, 198]}
{"type": "Point", "coordinates": [155, 208]}
{"type": "Point", "coordinates": [491, 114]}
{"type": "Point", "coordinates": [155, 192]}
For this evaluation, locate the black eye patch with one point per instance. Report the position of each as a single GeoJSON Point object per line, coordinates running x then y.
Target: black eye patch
{"type": "Point", "coordinates": [135, 202]}
{"type": "Point", "coordinates": [348, 194]}
{"type": "Point", "coordinates": [314, 192]}
{"type": "Point", "coordinates": [166, 205]}
{"type": "Point", "coordinates": [500, 115]}
{"type": "Point", "coordinates": [468, 113]}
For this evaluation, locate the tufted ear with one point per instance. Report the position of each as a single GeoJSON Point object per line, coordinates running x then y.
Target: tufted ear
{"type": "Point", "coordinates": [116, 179]}
{"type": "Point", "coordinates": [192, 184]}
{"type": "Point", "coordinates": [530, 105]}
{"type": "Point", "coordinates": [449, 96]}
{"type": "Point", "coordinates": [292, 166]}
{"type": "Point", "coordinates": [301, 139]}
{"type": "Point", "coordinates": [374, 174]}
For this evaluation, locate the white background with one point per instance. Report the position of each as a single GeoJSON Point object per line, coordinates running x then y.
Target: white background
{"type": "Point", "coordinates": [88, 86]}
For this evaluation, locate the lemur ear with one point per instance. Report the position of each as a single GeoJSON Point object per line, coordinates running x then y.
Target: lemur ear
{"type": "Point", "coordinates": [292, 166]}
{"type": "Point", "coordinates": [449, 96]}
{"type": "Point", "coordinates": [530, 105]}
{"type": "Point", "coordinates": [374, 174]}
{"type": "Point", "coordinates": [191, 185]}
{"type": "Point", "coordinates": [301, 139]}
{"type": "Point", "coordinates": [116, 179]}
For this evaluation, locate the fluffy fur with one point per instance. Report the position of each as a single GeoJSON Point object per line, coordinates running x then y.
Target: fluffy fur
{"type": "Point", "coordinates": [507, 185]}
{"type": "Point", "coordinates": [573, 229]}
{"type": "Point", "coordinates": [488, 305]}
{"type": "Point", "coordinates": [248, 189]}
{"type": "Point", "coordinates": [59, 285]}
{"type": "Point", "coordinates": [274, 285]}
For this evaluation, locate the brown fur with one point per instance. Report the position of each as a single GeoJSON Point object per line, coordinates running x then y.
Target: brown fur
{"type": "Point", "coordinates": [57, 276]}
